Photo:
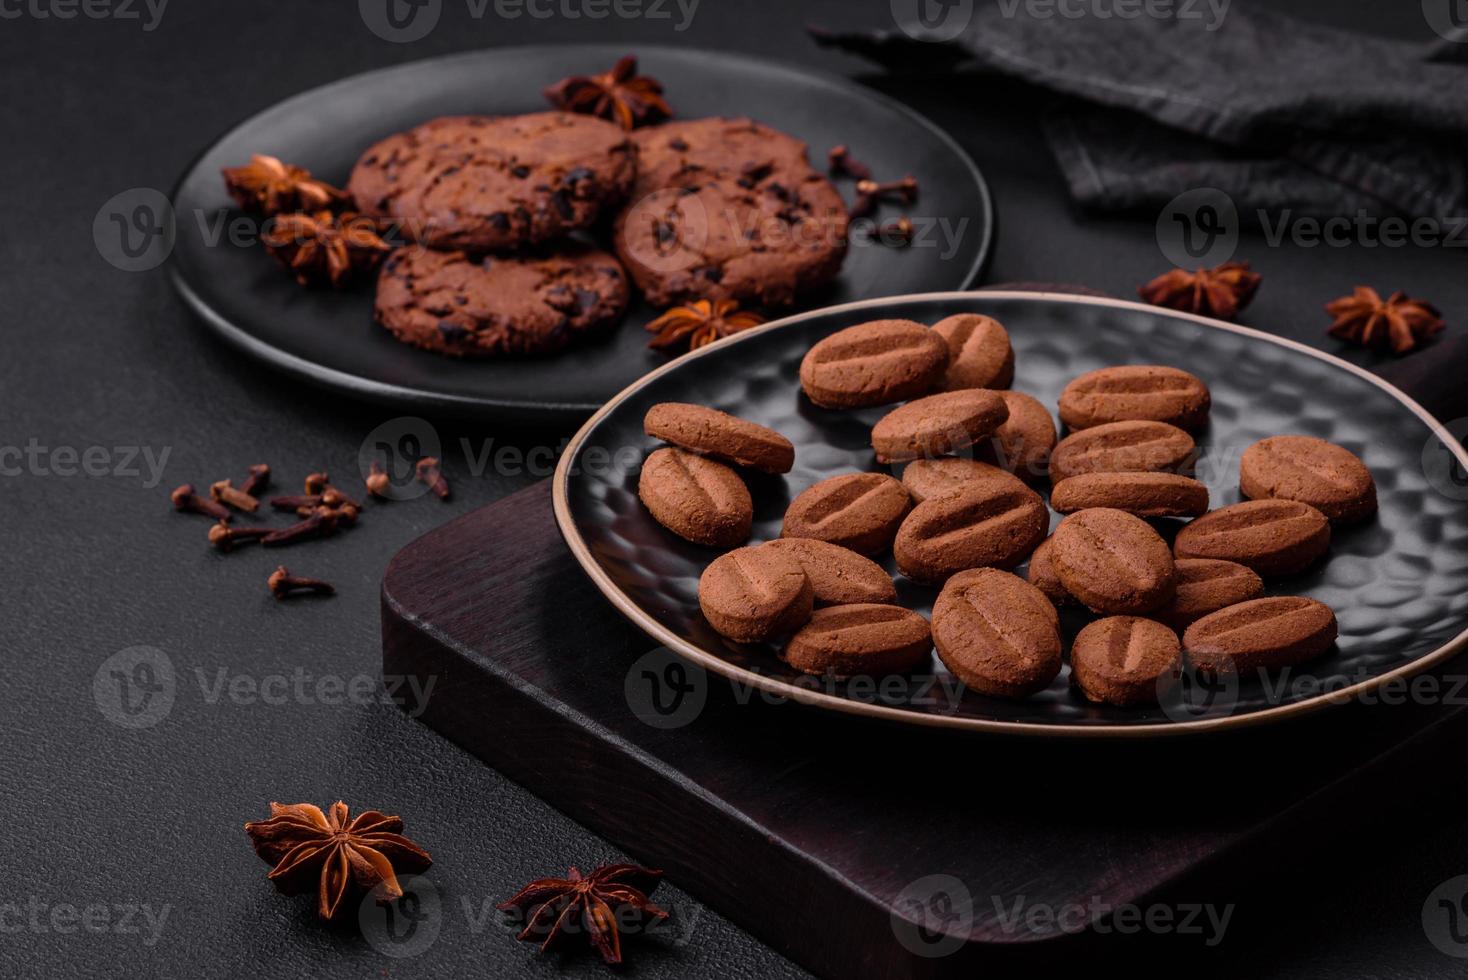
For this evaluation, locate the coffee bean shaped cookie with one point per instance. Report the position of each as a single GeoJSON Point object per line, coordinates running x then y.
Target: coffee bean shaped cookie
{"type": "Point", "coordinates": [1142, 494]}
{"type": "Point", "coordinates": [979, 353]}
{"type": "Point", "coordinates": [696, 498]}
{"type": "Point", "coordinates": [1122, 447]}
{"type": "Point", "coordinates": [926, 478]}
{"type": "Point", "coordinates": [1126, 661]}
{"type": "Point", "coordinates": [997, 633]}
{"type": "Point", "coordinates": [1024, 442]}
{"type": "Point", "coordinates": [862, 640]}
{"type": "Point", "coordinates": [1261, 634]}
{"type": "Point", "coordinates": [839, 576]}
{"type": "Point", "coordinates": [873, 363]}
{"type": "Point", "coordinates": [1139, 392]}
{"type": "Point", "coordinates": [1328, 477]}
{"type": "Point", "coordinates": [1041, 574]}
{"type": "Point", "coordinates": [985, 525]}
{"type": "Point", "coordinates": [937, 425]}
{"type": "Point", "coordinates": [710, 432]}
{"type": "Point", "coordinates": [1272, 537]}
{"type": "Point", "coordinates": [754, 594]}
{"type": "Point", "coordinates": [1113, 562]}
{"type": "Point", "coordinates": [860, 511]}
{"type": "Point", "coordinates": [1206, 585]}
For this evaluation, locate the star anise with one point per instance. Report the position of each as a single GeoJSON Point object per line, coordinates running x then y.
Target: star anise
{"type": "Point", "coordinates": [267, 186]}
{"type": "Point", "coordinates": [332, 855]}
{"type": "Point", "coordinates": [1218, 292]}
{"type": "Point", "coordinates": [322, 246]}
{"type": "Point", "coordinates": [595, 903]}
{"type": "Point", "coordinates": [1398, 322]}
{"type": "Point", "coordinates": [701, 322]}
{"type": "Point", "coordinates": [621, 95]}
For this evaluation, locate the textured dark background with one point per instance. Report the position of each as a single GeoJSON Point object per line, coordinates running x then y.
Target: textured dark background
{"type": "Point", "coordinates": [95, 814]}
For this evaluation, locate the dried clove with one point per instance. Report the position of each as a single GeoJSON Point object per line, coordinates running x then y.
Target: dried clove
{"type": "Point", "coordinates": [225, 538]}
{"type": "Point", "coordinates": [378, 483]}
{"type": "Point", "coordinates": [283, 584]}
{"type": "Point", "coordinates": [843, 164]}
{"type": "Point", "coordinates": [297, 502]}
{"type": "Point", "coordinates": [318, 525]}
{"type": "Point", "coordinates": [317, 482]}
{"type": "Point", "coordinates": [257, 480]}
{"type": "Point", "coordinates": [429, 472]}
{"type": "Point", "coordinates": [185, 499]}
{"type": "Point", "coordinates": [897, 234]}
{"type": "Point", "coordinates": [228, 494]}
{"type": "Point", "coordinates": [904, 190]}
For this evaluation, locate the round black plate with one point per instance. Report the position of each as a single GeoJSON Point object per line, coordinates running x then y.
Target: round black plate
{"type": "Point", "coordinates": [330, 338]}
{"type": "Point", "coordinates": [1398, 582]}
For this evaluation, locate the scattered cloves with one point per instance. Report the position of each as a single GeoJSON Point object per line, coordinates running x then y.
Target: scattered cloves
{"type": "Point", "coordinates": [185, 499]}
{"type": "Point", "coordinates": [257, 480]}
{"type": "Point", "coordinates": [897, 234]}
{"type": "Point", "coordinates": [332, 497]}
{"type": "Point", "coordinates": [429, 472]}
{"type": "Point", "coordinates": [904, 190]}
{"type": "Point", "coordinates": [283, 584]}
{"type": "Point", "coordinates": [228, 494]}
{"type": "Point", "coordinates": [843, 164]}
{"type": "Point", "coordinates": [316, 526]}
{"type": "Point", "coordinates": [378, 483]}
{"type": "Point", "coordinates": [297, 502]}
{"type": "Point", "coordinates": [225, 538]}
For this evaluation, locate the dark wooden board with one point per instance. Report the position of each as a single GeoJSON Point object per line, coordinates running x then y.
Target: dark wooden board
{"type": "Point", "coordinates": [805, 827]}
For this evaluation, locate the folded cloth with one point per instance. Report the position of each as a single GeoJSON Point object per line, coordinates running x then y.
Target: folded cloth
{"type": "Point", "coordinates": [1276, 112]}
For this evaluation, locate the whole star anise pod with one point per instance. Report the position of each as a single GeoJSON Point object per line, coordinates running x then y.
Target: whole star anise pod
{"type": "Point", "coordinates": [332, 855]}
{"type": "Point", "coordinates": [1218, 292]}
{"type": "Point", "coordinates": [701, 322]}
{"type": "Point", "coordinates": [621, 95]}
{"type": "Point", "coordinates": [322, 246]}
{"type": "Point", "coordinates": [558, 906]}
{"type": "Point", "coordinates": [267, 186]}
{"type": "Point", "coordinates": [1398, 322]}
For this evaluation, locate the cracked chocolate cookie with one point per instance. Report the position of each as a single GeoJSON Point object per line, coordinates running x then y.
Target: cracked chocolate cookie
{"type": "Point", "coordinates": [729, 209]}
{"type": "Point", "coordinates": [495, 183]}
{"type": "Point", "coordinates": [456, 304]}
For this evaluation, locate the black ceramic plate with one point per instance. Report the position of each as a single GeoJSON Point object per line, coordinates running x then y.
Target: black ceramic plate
{"type": "Point", "coordinates": [1398, 582]}
{"type": "Point", "coordinates": [329, 338]}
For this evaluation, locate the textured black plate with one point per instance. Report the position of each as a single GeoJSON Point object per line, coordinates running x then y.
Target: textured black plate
{"type": "Point", "coordinates": [1398, 583]}
{"type": "Point", "coordinates": [330, 338]}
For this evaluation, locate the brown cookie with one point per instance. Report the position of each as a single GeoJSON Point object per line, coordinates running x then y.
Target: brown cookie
{"type": "Point", "coordinates": [860, 511]}
{"type": "Point", "coordinates": [754, 594]}
{"type": "Point", "coordinates": [1113, 562]}
{"type": "Point", "coordinates": [1261, 634]}
{"type": "Point", "coordinates": [1122, 447]}
{"type": "Point", "coordinates": [494, 183]}
{"type": "Point", "coordinates": [926, 478]}
{"type": "Point", "coordinates": [1041, 574]}
{"type": "Point", "coordinates": [1273, 537]}
{"type": "Point", "coordinates": [983, 525]}
{"type": "Point", "coordinates": [710, 432]}
{"type": "Point", "coordinates": [451, 303]}
{"type": "Point", "coordinates": [729, 209]}
{"type": "Point", "coordinates": [1329, 478]}
{"type": "Point", "coordinates": [1024, 442]}
{"type": "Point", "coordinates": [937, 425]}
{"type": "Point", "coordinates": [1126, 661]}
{"type": "Point", "coordinates": [997, 633]}
{"type": "Point", "coordinates": [696, 498]}
{"type": "Point", "coordinates": [979, 354]}
{"type": "Point", "coordinates": [1206, 585]}
{"type": "Point", "coordinates": [839, 575]}
{"type": "Point", "coordinates": [863, 640]}
{"type": "Point", "coordinates": [1142, 494]}
{"type": "Point", "coordinates": [1146, 392]}
{"type": "Point", "coordinates": [873, 363]}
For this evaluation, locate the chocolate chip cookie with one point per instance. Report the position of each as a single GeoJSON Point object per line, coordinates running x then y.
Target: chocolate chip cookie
{"type": "Point", "coordinates": [495, 183]}
{"type": "Point", "coordinates": [456, 304]}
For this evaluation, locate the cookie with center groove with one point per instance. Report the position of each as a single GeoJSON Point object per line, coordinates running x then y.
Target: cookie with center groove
{"type": "Point", "coordinates": [1142, 494]}
{"type": "Point", "coordinates": [1272, 537]}
{"type": "Point", "coordinates": [860, 511]}
{"type": "Point", "coordinates": [1330, 478]}
{"type": "Point", "coordinates": [1136, 392]}
{"type": "Point", "coordinates": [979, 352]}
{"type": "Point", "coordinates": [1126, 661]}
{"type": "Point", "coordinates": [997, 633]}
{"type": "Point", "coordinates": [1261, 634]}
{"type": "Point", "coordinates": [861, 640]}
{"type": "Point", "coordinates": [937, 425]}
{"type": "Point", "coordinates": [839, 576]}
{"type": "Point", "coordinates": [696, 498]}
{"type": "Point", "coordinates": [754, 594]}
{"type": "Point", "coordinates": [1113, 562]}
{"type": "Point", "coordinates": [873, 363]}
{"type": "Point", "coordinates": [719, 435]}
